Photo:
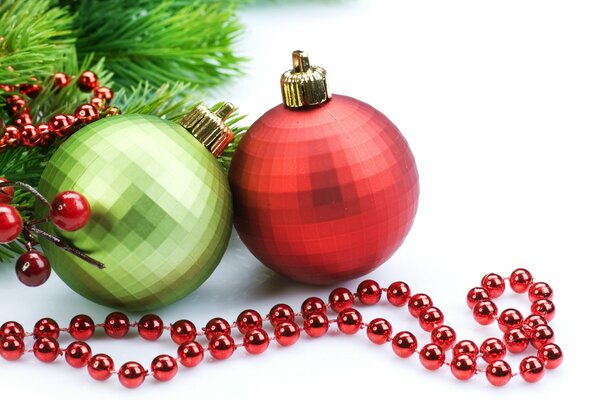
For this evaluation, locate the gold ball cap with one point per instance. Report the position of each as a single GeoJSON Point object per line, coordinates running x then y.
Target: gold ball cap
{"type": "Point", "coordinates": [209, 127]}
{"type": "Point", "coordinates": [304, 85]}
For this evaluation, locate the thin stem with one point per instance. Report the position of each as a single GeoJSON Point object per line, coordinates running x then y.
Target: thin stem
{"type": "Point", "coordinates": [29, 188]}
{"type": "Point", "coordinates": [62, 244]}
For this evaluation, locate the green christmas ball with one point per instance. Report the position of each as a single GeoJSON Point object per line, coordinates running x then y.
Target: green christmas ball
{"type": "Point", "coordinates": [161, 211]}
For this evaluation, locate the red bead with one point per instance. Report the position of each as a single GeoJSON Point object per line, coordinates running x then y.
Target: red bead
{"type": "Point", "coordinates": [281, 313]}
{"type": "Point", "coordinates": [313, 305]}
{"type": "Point", "coordinates": [190, 354]}
{"type": "Point", "coordinates": [87, 113]}
{"type": "Point", "coordinates": [544, 308]}
{"type": "Point", "coordinates": [11, 137]}
{"type": "Point", "coordinates": [16, 104]}
{"type": "Point", "coordinates": [30, 136]}
{"type": "Point", "coordinates": [404, 344]}
{"type": "Point", "coordinates": [11, 347]}
{"type": "Point", "coordinates": [7, 88]}
{"type": "Point", "coordinates": [60, 125]}
{"type": "Point", "coordinates": [116, 325]}
{"type": "Point", "coordinates": [485, 312]}
{"type": "Point", "coordinates": [432, 356]}
{"type": "Point", "coordinates": [78, 354]}
{"type": "Point", "coordinates": [287, 333]}
{"type": "Point", "coordinates": [70, 211]}
{"type": "Point", "coordinates": [463, 367]}
{"type": "Point", "coordinates": [61, 80]}
{"type": "Point", "coordinates": [551, 354]}
{"type": "Point", "coordinates": [379, 331]}
{"type": "Point", "coordinates": [97, 102]}
{"type": "Point", "coordinates": [520, 280]}
{"type": "Point", "coordinates": [515, 340]}
{"type": "Point", "coordinates": [12, 328]}
{"type": "Point", "coordinates": [316, 325]}
{"type": "Point", "coordinates": [11, 223]}
{"type": "Point", "coordinates": [217, 326]}
{"type": "Point", "coordinates": [256, 341]}
{"type": "Point", "coordinates": [164, 368]}
{"type": "Point", "coordinates": [87, 81]}
{"type": "Point", "coordinates": [541, 335]}
{"type": "Point", "coordinates": [533, 320]}
{"type": "Point", "coordinates": [509, 319]}
{"type": "Point", "coordinates": [443, 336]}
{"type": "Point", "coordinates": [493, 349]}
{"type": "Point", "coordinates": [341, 299]}
{"type": "Point", "coordinates": [418, 303]}
{"type": "Point", "coordinates": [30, 90]}
{"type": "Point", "coordinates": [103, 93]}
{"type": "Point", "coordinates": [498, 373]}
{"type": "Point", "coordinates": [430, 318]}
{"type": "Point", "coordinates": [100, 367]}
{"type": "Point", "coordinates": [222, 346]}
{"type": "Point", "coordinates": [532, 369]}
{"type": "Point", "coordinates": [33, 268]}
{"type": "Point", "coordinates": [540, 290]}
{"type": "Point", "coordinates": [23, 119]}
{"type": "Point", "coordinates": [81, 327]}
{"type": "Point", "coordinates": [349, 321]}
{"type": "Point", "coordinates": [46, 136]}
{"type": "Point", "coordinates": [6, 192]}
{"type": "Point", "coordinates": [46, 327]}
{"type": "Point", "coordinates": [494, 284]}
{"type": "Point", "coordinates": [183, 331]}
{"type": "Point", "coordinates": [248, 320]}
{"type": "Point", "coordinates": [150, 327]}
{"type": "Point", "coordinates": [132, 374]}
{"type": "Point", "coordinates": [398, 294]}
{"type": "Point", "coordinates": [467, 347]}
{"type": "Point", "coordinates": [369, 292]}
{"type": "Point", "coordinates": [46, 349]}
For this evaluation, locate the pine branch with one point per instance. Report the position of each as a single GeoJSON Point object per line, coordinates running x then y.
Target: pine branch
{"type": "Point", "coordinates": [161, 41]}
{"type": "Point", "coordinates": [35, 37]}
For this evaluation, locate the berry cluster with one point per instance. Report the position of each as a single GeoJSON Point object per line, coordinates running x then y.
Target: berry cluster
{"type": "Point", "coordinates": [68, 211]}
{"type": "Point", "coordinates": [315, 319]}
{"type": "Point", "coordinates": [24, 132]}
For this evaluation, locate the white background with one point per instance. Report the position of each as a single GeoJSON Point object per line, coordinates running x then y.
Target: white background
{"type": "Point", "coordinates": [499, 102]}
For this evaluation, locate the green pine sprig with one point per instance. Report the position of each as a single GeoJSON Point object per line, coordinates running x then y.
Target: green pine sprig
{"type": "Point", "coordinates": [163, 41]}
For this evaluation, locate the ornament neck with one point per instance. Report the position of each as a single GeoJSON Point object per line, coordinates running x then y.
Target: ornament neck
{"type": "Point", "coordinates": [209, 127]}
{"type": "Point", "coordinates": [304, 86]}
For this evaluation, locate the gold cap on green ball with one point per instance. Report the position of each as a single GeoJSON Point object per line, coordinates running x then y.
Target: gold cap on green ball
{"type": "Point", "coordinates": [209, 127]}
{"type": "Point", "coordinates": [304, 85]}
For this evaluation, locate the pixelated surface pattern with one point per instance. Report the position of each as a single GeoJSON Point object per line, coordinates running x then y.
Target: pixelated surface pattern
{"type": "Point", "coordinates": [324, 194]}
{"type": "Point", "coordinates": [161, 211]}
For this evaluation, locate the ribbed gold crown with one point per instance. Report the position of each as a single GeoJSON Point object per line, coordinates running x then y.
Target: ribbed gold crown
{"type": "Point", "coordinates": [209, 127]}
{"type": "Point", "coordinates": [304, 85]}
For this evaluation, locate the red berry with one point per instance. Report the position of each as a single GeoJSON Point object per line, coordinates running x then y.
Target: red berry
{"type": "Point", "coordinates": [11, 223]}
{"type": "Point", "coordinates": [33, 268]}
{"type": "Point", "coordinates": [70, 211]}
{"type": "Point", "coordinates": [6, 193]}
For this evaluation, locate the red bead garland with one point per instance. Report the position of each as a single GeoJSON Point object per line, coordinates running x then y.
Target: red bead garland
{"type": "Point", "coordinates": [24, 132]}
{"type": "Point", "coordinates": [465, 354]}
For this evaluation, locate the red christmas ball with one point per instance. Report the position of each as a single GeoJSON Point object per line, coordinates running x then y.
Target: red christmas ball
{"type": "Point", "coordinates": [78, 354]}
{"type": "Point", "coordinates": [324, 192]}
